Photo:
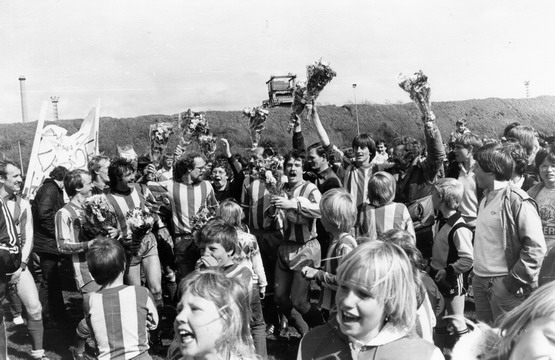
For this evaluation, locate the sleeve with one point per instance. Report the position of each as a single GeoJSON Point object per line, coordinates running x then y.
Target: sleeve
{"type": "Point", "coordinates": [238, 178]}
{"type": "Point", "coordinates": [8, 232]}
{"type": "Point", "coordinates": [436, 152]}
{"type": "Point", "coordinates": [257, 266]}
{"type": "Point", "coordinates": [298, 141]}
{"type": "Point", "coordinates": [65, 236]}
{"type": "Point", "coordinates": [210, 196]}
{"type": "Point", "coordinates": [310, 208]}
{"type": "Point", "coordinates": [533, 248]}
{"type": "Point", "coordinates": [408, 224]}
{"type": "Point", "coordinates": [463, 241]}
{"type": "Point", "coordinates": [45, 201]}
{"type": "Point", "coordinates": [330, 280]}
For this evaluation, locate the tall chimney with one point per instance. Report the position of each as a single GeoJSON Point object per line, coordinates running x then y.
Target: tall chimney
{"type": "Point", "coordinates": [55, 107]}
{"type": "Point", "coordinates": [23, 98]}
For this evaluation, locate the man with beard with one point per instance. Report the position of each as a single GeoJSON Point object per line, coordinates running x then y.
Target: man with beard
{"type": "Point", "coordinates": [360, 171]}
{"type": "Point", "coordinates": [98, 168]}
{"type": "Point", "coordinates": [187, 192]}
{"type": "Point", "coordinates": [48, 200]}
{"type": "Point", "coordinates": [21, 281]}
{"type": "Point", "coordinates": [227, 176]}
{"type": "Point", "coordinates": [299, 209]}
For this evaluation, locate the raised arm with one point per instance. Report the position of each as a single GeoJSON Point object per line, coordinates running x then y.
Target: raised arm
{"type": "Point", "coordinates": [322, 134]}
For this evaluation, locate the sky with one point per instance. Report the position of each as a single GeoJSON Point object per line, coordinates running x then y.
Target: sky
{"type": "Point", "coordinates": [161, 57]}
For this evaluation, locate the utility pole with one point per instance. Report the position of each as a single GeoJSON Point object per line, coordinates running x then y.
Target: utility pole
{"type": "Point", "coordinates": [527, 86]}
{"type": "Point", "coordinates": [23, 93]}
{"type": "Point", "coordinates": [356, 108]}
{"type": "Point", "coordinates": [54, 100]}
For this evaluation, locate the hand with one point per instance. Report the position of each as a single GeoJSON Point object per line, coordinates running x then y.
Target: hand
{"type": "Point", "coordinates": [208, 261]}
{"type": "Point", "coordinates": [441, 276]}
{"type": "Point", "coordinates": [150, 169]}
{"type": "Point", "coordinates": [113, 232]}
{"type": "Point", "coordinates": [150, 322]}
{"type": "Point", "coordinates": [262, 293]}
{"type": "Point", "coordinates": [308, 272]}
{"type": "Point", "coordinates": [227, 149]}
{"type": "Point", "coordinates": [281, 202]}
{"type": "Point", "coordinates": [15, 277]}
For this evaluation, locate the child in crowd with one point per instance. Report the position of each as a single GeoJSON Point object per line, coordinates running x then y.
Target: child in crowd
{"type": "Point", "coordinates": [212, 319]}
{"type": "Point", "coordinates": [232, 213]}
{"type": "Point", "coordinates": [120, 315]}
{"type": "Point", "coordinates": [381, 213]}
{"type": "Point", "coordinates": [338, 217]}
{"type": "Point", "coordinates": [452, 256]}
{"type": "Point", "coordinates": [218, 244]}
{"type": "Point", "coordinates": [376, 310]}
{"type": "Point", "coordinates": [429, 300]}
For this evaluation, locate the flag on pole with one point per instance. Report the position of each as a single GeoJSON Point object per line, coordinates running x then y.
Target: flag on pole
{"type": "Point", "coordinates": [54, 148]}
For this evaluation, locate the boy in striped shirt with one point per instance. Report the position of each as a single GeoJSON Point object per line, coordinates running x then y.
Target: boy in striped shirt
{"type": "Point", "coordinates": [120, 315]}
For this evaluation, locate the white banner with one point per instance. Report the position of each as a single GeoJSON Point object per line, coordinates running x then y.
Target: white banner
{"type": "Point", "coordinates": [55, 148]}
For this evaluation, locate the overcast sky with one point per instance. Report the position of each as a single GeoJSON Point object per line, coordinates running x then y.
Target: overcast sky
{"type": "Point", "coordinates": [160, 57]}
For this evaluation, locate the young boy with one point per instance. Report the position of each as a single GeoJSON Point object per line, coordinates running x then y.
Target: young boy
{"type": "Point", "coordinates": [119, 315]}
{"type": "Point", "coordinates": [452, 255]}
{"type": "Point", "coordinates": [338, 218]}
{"type": "Point", "coordinates": [218, 243]}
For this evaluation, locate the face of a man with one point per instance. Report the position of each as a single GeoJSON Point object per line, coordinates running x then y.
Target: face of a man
{"type": "Point", "coordinates": [362, 155]}
{"type": "Point", "coordinates": [381, 148]}
{"type": "Point", "coordinates": [13, 181]}
{"type": "Point", "coordinates": [86, 190]}
{"type": "Point", "coordinates": [197, 174]}
{"type": "Point", "coordinates": [294, 171]}
{"type": "Point", "coordinates": [483, 179]}
{"type": "Point", "coordinates": [219, 177]}
{"type": "Point", "coordinates": [461, 153]}
{"type": "Point", "coordinates": [315, 162]}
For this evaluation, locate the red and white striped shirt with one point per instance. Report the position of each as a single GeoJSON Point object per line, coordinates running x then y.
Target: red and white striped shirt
{"type": "Point", "coordinates": [373, 221]}
{"type": "Point", "coordinates": [186, 200]}
{"type": "Point", "coordinates": [70, 241]}
{"type": "Point", "coordinates": [356, 182]}
{"type": "Point", "coordinates": [256, 198]}
{"type": "Point", "coordinates": [118, 320]}
{"type": "Point", "coordinates": [9, 237]}
{"type": "Point", "coordinates": [139, 197]}
{"type": "Point", "coordinates": [309, 210]}
{"type": "Point", "coordinates": [20, 209]}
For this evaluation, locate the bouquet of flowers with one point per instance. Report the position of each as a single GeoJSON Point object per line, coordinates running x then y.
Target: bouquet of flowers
{"type": "Point", "coordinates": [318, 75]}
{"type": "Point", "coordinates": [159, 136]}
{"type": "Point", "coordinates": [97, 215]}
{"type": "Point", "coordinates": [270, 172]}
{"type": "Point", "coordinates": [203, 215]}
{"type": "Point", "coordinates": [140, 222]}
{"type": "Point", "coordinates": [193, 125]}
{"type": "Point", "coordinates": [257, 119]}
{"type": "Point", "coordinates": [419, 90]}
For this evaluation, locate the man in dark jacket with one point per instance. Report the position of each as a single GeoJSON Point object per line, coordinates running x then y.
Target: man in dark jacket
{"type": "Point", "coordinates": [48, 200]}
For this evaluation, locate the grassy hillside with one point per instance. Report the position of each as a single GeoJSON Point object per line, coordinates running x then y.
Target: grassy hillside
{"type": "Point", "coordinates": [487, 117]}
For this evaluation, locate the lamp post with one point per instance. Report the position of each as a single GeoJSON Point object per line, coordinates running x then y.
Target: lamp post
{"type": "Point", "coordinates": [356, 107]}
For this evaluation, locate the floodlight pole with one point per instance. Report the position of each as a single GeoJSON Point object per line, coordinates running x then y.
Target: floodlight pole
{"type": "Point", "coordinates": [356, 107]}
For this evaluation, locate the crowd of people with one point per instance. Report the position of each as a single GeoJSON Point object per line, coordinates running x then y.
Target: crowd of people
{"type": "Point", "coordinates": [392, 235]}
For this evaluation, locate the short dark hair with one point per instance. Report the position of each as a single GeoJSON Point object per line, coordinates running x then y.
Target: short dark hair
{"type": "Point", "coordinates": [118, 167]}
{"type": "Point", "coordinates": [365, 141]}
{"type": "Point", "coordinates": [294, 154]}
{"type": "Point", "coordinates": [94, 164]}
{"type": "Point", "coordinates": [58, 173]}
{"type": "Point", "coordinates": [469, 139]}
{"type": "Point", "coordinates": [381, 141]}
{"type": "Point", "coordinates": [185, 164]}
{"type": "Point", "coordinates": [4, 164]}
{"type": "Point", "coordinates": [218, 231]}
{"type": "Point", "coordinates": [319, 150]}
{"type": "Point", "coordinates": [73, 181]}
{"type": "Point", "coordinates": [106, 260]}
{"type": "Point", "coordinates": [496, 159]}
{"type": "Point", "coordinates": [510, 127]}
